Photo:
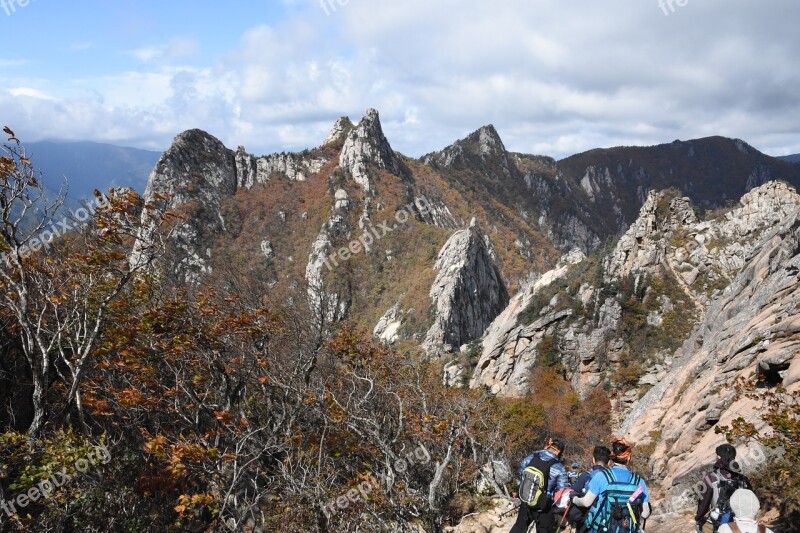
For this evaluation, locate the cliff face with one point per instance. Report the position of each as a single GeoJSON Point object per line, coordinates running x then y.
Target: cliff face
{"type": "Point", "coordinates": [467, 294]}
{"type": "Point", "coordinates": [752, 328]}
{"type": "Point", "coordinates": [509, 349]}
{"type": "Point", "coordinates": [197, 172]}
{"type": "Point", "coordinates": [624, 309]}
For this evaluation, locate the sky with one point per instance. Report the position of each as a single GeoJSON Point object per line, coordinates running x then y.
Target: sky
{"type": "Point", "coordinates": [555, 77]}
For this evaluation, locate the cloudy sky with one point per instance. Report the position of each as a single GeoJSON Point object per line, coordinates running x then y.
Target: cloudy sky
{"type": "Point", "coordinates": [555, 77]}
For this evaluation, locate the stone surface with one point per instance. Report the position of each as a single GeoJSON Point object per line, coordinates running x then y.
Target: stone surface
{"type": "Point", "coordinates": [468, 292]}
{"type": "Point", "coordinates": [498, 520]}
{"type": "Point", "coordinates": [509, 349]}
{"type": "Point", "coordinates": [754, 321]}
{"type": "Point", "coordinates": [365, 146]}
{"type": "Point", "coordinates": [388, 327]}
{"type": "Point", "coordinates": [340, 129]}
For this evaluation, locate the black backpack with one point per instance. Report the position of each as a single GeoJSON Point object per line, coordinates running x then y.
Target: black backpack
{"type": "Point", "coordinates": [725, 489]}
{"type": "Point", "coordinates": [533, 485]}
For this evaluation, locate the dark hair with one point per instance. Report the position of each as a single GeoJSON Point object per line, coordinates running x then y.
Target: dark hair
{"type": "Point", "coordinates": [601, 454]}
{"type": "Point", "coordinates": [558, 444]}
{"type": "Point", "coordinates": [727, 452]}
{"type": "Point", "coordinates": [618, 449]}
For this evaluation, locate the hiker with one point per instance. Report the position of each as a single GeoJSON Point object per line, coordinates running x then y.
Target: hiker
{"type": "Point", "coordinates": [745, 507]}
{"type": "Point", "coordinates": [617, 498]}
{"type": "Point", "coordinates": [717, 489]}
{"type": "Point", "coordinates": [576, 516]}
{"type": "Point", "coordinates": [546, 468]}
{"type": "Point", "coordinates": [573, 474]}
{"type": "Point", "coordinates": [601, 456]}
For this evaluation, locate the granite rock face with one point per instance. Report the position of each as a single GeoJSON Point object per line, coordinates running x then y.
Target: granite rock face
{"type": "Point", "coordinates": [751, 329]}
{"type": "Point", "coordinates": [197, 168]}
{"type": "Point", "coordinates": [468, 292]}
{"type": "Point", "coordinates": [666, 240]}
{"type": "Point", "coordinates": [339, 132]}
{"type": "Point", "coordinates": [388, 327]}
{"type": "Point", "coordinates": [252, 170]}
{"type": "Point", "coordinates": [509, 348]}
{"type": "Point", "coordinates": [365, 146]}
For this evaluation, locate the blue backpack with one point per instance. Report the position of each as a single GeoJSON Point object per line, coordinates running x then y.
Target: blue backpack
{"type": "Point", "coordinates": [617, 511]}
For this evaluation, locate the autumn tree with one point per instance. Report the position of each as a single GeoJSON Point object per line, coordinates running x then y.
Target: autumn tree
{"type": "Point", "coordinates": [61, 271]}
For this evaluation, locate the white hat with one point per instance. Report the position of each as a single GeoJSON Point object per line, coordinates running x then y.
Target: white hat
{"type": "Point", "coordinates": [745, 504]}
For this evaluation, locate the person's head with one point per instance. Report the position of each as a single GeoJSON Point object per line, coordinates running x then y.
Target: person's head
{"type": "Point", "coordinates": [621, 451]}
{"type": "Point", "coordinates": [556, 446]}
{"type": "Point", "coordinates": [601, 455]}
{"type": "Point", "coordinates": [745, 504]}
{"type": "Point", "coordinates": [575, 465]}
{"type": "Point", "coordinates": [726, 452]}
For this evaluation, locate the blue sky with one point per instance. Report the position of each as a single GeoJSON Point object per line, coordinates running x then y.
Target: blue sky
{"type": "Point", "coordinates": [554, 77]}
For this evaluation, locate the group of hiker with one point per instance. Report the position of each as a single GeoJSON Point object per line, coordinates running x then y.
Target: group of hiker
{"type": "Point", "coordinates": [610, 498]}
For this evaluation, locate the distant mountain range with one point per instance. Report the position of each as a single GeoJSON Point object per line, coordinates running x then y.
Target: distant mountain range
{"type": "Point", "coordinates": [795, 158]}
{"type": "Point", "coordinates": [86, 166]}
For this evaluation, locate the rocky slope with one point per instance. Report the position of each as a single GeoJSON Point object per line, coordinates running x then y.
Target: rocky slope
{"type": "Point", "coordinates": [656, 282]}
{"type": "Point", "coordinates": [751, 329]}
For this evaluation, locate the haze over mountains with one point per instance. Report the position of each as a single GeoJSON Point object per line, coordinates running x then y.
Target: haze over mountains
{"type": "Point", "coordinates": [86, 166]}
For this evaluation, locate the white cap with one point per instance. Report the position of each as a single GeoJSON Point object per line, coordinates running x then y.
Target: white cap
{"type": "Point", "coordinates": [745, 504]}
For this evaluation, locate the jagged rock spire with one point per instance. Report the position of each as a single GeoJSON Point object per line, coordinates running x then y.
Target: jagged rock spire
{"type": "Point", "coordinates": [340, 129]}
{"type": "Point", "coordinates": [367, 145]}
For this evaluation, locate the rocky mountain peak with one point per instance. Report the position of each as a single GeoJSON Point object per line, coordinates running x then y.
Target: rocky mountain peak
{"type": "Point", "coordinates": [340, 129]}
{"type": "Point", "coordinates": [194, 155]}
{"type": "Point", "coordinates": [482, 146]}
{"type": "Point", "coordinates": [365, 145]}
{"type": "Point", "coordinates": [488, 141]}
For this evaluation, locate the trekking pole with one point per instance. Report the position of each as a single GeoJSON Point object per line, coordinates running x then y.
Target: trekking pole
{"type": "Point", "coordinates": [563, 518]}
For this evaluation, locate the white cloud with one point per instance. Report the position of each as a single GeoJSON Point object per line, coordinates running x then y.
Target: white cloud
{"type": "Point", "coordinates": [554, 77]}
{"type": "Point", "coordinates": [175, 50]}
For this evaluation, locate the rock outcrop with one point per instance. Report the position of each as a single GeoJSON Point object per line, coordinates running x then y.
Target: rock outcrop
{"type": "Point", "coordinates": [365, 146]}
{"type": "Point", "coordinates": [752, 329]}
{"type": "Point", "coordinates": [703, 255]}
{"type": "Point", "coordinates": [339, 132]}
{"type": "Point", "coordinates": [252, 170]}
{"type": "Point", "coordinates": [509, 348]}
{"type": "Point", "coordinates": [388, 327]}
{"type": "Point", "coordinates": [200, 170]}
{"type": "Point", "coordinates": [468, 292]}
{"type": "Point", "coordinates": [484, 146]}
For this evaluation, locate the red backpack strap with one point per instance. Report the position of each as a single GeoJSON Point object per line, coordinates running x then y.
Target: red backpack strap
{"type": "Point", "coordinates": [736, 529]}
{"type": "Point", "coordinates": [762, 528]}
